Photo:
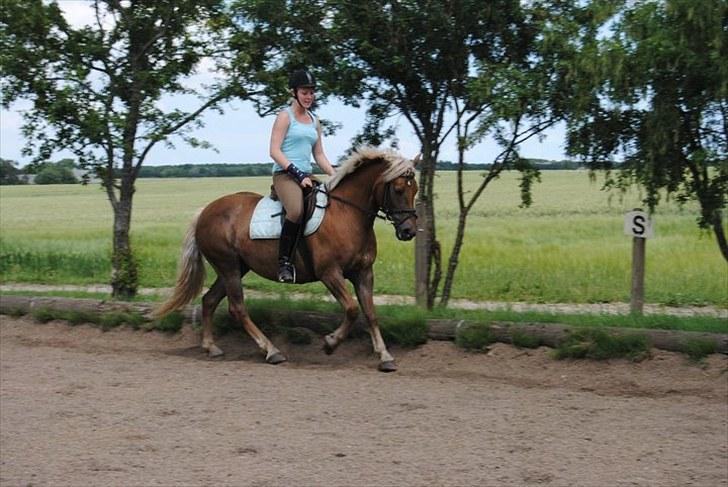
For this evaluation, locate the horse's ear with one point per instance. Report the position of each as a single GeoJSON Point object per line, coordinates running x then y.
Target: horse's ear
{"type": "Point", "coordinates": [417, 159]}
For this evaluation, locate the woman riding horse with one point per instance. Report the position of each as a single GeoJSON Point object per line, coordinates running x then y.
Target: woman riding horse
{"type": "Point", "coordinates": [296, 133]}
{"type": "Point", "coordinates": [343, 248]}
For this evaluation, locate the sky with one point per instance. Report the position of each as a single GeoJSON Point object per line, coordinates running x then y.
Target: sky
{"type": "Point", "coordinates": [241, 136]}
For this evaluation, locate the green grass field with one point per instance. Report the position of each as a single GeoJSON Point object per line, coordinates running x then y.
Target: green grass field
{"type": "Point", "coordinates": [568, 247]}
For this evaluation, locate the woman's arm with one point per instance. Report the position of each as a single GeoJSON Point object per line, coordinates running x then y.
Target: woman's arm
{"type": "Point", "coordinates": [319, 156]}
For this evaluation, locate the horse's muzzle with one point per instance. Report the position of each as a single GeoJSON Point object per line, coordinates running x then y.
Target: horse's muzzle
{"type": "Point", "coordinates": [406, 231]}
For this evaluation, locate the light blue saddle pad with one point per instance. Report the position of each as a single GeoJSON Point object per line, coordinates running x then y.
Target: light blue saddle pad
{"type": "Point", "coordinates": [266, 220]}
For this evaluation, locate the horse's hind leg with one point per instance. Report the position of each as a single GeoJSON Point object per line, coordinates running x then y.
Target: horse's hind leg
{"type": "Point", "coordinates": [210, 301]}
{"type": "Point", "coordinates": [236, 302]}
{"type": "Point", "coordinates": [335, 283]}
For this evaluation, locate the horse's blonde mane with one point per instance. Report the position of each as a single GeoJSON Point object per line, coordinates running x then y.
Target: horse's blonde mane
{"type": "Point", "coordinates": [396, 164]}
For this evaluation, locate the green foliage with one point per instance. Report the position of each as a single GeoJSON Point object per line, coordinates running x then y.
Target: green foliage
{"type": "Point", "coordinates": [699, 349]}
{"type": "Point", "coordinates": [171, 323]}
{"type": "Point", "coordinates": [655, 97]}
{"type": "Point", "coordinates": [405, 329]}
{"type": "Point", "coordinates": [524, 340]}
{"type": "Point", "coordinates": [43, 315]}
{"type": "Point", "coordinates": [105, 321]}
{"type": "Point", "coordinates": [9, 172]}
{"type": "Point", "coordinates": [599, 345]}
{"type": "Point", "coordinates": [15, 312]}
{"type": "Point", "coordinates": [206, 170]}
{"type": "Point", "coordinates": [473, 336]}
{"type": "Point", "coordinates": [100, 90]}
{"type": "Point", "coordinates": [78, 317]}
{"type": "Point", "coordinates": [117, 318]}
{"type": "Point", "coordinates": [52, 174]}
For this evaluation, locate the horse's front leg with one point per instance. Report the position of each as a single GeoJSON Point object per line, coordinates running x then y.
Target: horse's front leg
{"type": "Point", "coordinates": [335, 283]}
{"type": "Point", "coordinates": [364, 284]}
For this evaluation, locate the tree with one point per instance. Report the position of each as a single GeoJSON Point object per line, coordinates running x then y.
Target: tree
{"type": "Point", "coordinates": [518, 98]}
{"type": "Point", "coordinates": [55, 174]}
{"type": "Point", "coordinates": [659, 101]}
{"type": "Point", "coordinates": [96, 89]}
{"type": "Point", "coordinates": [405, 58]}
{"type": "Point", "coordinates": [9, 172]}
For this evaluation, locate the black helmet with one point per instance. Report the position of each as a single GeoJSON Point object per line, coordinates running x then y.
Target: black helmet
{"type": "Point", "coordinates": [300, 78]}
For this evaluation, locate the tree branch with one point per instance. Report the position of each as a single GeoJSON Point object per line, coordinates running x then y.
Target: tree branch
{"type": "Point", "coordinates": [165, 132]}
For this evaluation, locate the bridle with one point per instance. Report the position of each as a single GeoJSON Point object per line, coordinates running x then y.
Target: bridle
{"type": "Point", "coordinates": [395, 216]}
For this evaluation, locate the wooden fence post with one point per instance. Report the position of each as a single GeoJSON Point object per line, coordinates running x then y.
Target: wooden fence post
{"type": "Point", "coordinates": [637, 299]}
{"type": "Point", "coordinates": [637, 224]}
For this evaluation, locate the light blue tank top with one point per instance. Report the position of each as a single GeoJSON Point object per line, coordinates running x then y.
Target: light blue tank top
{"type": "Point", "coordinates": [298, 142]}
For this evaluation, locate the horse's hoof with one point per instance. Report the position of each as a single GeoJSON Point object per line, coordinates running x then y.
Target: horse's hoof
{"type": "Point", "coordinates": [214, 352]}
{"type": "Point", "coordinates": [275, 358]}
{"type": "Point", "coordinates": [330, 344]}
{"type": "Point", "coordinates": [388, 366]}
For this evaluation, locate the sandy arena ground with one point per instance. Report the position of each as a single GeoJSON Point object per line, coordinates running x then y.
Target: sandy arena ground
{"type": "Point", "coordinates": [79, 407]}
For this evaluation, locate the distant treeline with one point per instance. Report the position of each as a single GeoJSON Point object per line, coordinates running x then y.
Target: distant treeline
{"type": "Point", "coordinates": [66, 171]}
{"type": "Point", "coordinates": [264, 169]}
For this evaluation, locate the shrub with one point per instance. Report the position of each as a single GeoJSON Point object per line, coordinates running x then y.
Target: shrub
{"type": "Point", "coordinates": [407, 332]}
{"type": "Point", "coordinates": [53, 174]}
{"type": "Point", "coordinates": [524, 340]}
{"type": "Point", "coordinates": [599, 345]}
{"type": "Point", "coordinates": [474, 336]}
{"type": "Point", "coordinates": [171, 323]}
{"type": "Point", "coordinates": [117, 318]}
{"type": "Point", "coordinates": [79, 317]}
{"type": "Point", "coordinates": [697, 349]}
{"type": "Point", "coordinates": [43, 315]}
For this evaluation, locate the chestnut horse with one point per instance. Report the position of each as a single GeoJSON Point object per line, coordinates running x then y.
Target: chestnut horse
{"type": "Point", "coordinates": [344, 247]}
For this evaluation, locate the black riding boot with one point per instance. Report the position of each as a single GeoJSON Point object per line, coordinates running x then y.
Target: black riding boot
{"type": "Point", "coordinates": [286, 245]}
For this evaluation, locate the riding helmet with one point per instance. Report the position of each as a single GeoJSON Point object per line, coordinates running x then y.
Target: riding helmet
{"type": "Point", "coordinates": [301, 78]}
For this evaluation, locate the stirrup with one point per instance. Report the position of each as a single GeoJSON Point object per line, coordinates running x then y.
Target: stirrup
{"type": "Point", "coordinates": [286, 272]}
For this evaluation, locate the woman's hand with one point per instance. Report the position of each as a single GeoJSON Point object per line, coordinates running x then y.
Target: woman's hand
{"type": "Point", "coordinates": [306, 183]}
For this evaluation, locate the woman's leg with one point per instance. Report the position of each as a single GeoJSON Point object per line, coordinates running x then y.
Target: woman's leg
{"type": "Point", "coordinates": [291, 196]}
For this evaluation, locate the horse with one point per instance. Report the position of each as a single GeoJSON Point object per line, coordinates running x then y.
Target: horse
{"type": "Point", "coordinates": [370, 182]}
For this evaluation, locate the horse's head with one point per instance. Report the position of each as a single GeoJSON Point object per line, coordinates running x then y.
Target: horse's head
{"type": "Point", "coordinates": [391, 188]}
{"type": "Point", "coordinates": [397, 203]}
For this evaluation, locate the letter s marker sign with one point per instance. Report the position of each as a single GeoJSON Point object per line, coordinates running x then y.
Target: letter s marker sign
{"type": "Point", "coordinates": [637, 224]}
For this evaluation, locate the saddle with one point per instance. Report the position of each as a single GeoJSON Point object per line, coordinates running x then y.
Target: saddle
{"type": "Point", "coordinates": [268, 215]}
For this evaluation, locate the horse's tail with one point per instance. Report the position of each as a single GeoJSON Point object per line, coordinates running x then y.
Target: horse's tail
{"type": "Point", "coordinates": [190, 275]}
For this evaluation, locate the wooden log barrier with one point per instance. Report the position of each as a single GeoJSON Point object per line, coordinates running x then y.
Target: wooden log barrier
{"type": "Point", "coordinates": [552, 334]}
{"type": "Point", "coordinates": [549, 334]}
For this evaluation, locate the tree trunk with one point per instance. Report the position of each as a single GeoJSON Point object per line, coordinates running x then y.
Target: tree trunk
{"type": "Point", "coordinates": [454, 258]}
{"type": "Point", "coordinates": [425, 239]}
{"type": "Point", "coordinates": [720, 234]}
{"type": "Point", "coordinates": [124, 275]}
{"type": "Point", "coordinates": [422, 244]}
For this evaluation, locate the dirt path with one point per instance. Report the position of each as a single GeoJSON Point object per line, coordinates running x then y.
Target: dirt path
{"type": "Point", "coordinates": [80, 407]}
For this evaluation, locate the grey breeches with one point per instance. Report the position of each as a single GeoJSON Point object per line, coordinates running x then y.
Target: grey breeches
{"type": "Point", "coordinates": [291, 195]}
